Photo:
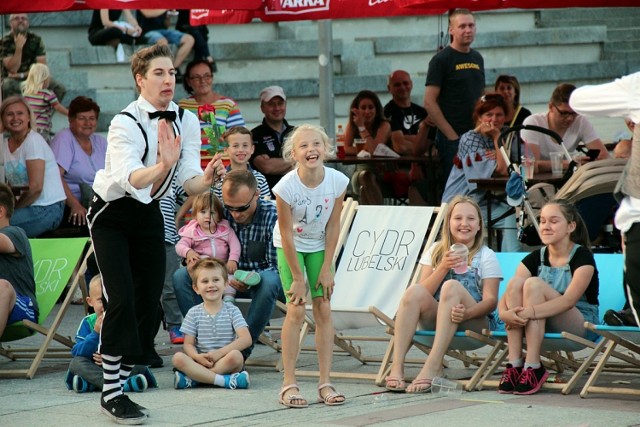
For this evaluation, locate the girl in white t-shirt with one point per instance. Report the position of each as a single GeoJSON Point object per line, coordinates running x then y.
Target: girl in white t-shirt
{"type": "Point", "coordinates": [445, 300]}
{"type": "Point", "coordinates": [309, 202]}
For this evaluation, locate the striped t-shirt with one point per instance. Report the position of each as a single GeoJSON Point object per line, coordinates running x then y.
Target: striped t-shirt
{"type": "Point", "coordinates": [41, 104]}
{"type": "Point", "coordinates": [213, 332]}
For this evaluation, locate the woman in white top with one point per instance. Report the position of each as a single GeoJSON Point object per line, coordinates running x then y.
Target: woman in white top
{"type": "Point", "coordinates": [30, 163]}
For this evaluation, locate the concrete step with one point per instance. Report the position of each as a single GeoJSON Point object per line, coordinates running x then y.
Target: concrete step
{"type": "Point", "coordinates": [623, 34]}
{"type": "Point", "coordinates": [621, 55]}
{"type": "Point", "coordinates": [612, 16]}
{"type": "Point", "coordinates": [621, 46]}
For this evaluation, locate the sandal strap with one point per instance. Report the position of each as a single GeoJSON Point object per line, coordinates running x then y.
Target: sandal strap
{"type": "Point", "coordinates": [333, 394]}
{"type": "Point", "coordinates": [287, 388]}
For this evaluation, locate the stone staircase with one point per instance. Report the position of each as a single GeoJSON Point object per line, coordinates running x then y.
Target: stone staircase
{"type": "Point", "coordinates": [542, 48]}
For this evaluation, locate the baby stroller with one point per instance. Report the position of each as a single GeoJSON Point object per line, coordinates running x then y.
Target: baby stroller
{"type": "Point", "coordinates": [589, 187]}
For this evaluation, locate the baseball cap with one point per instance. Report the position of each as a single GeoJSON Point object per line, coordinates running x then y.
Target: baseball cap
{"type": "Point", "coordinates": [271, 91]}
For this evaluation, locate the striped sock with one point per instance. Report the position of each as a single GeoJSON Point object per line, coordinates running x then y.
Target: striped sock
{"type": "Point", "coordinates": [125, 371]}
{"type": "Point", "coordinates": [111, 374]}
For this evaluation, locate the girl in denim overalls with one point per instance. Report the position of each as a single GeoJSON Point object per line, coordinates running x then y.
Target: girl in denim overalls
{"type": "Point", "coordinates": [446, 301]}
{"type": "Point", "coordinates": [554, 289]}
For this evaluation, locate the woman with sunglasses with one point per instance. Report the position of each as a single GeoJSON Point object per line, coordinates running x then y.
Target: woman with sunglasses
{"type": "Point", "coordinates": [509, 88]}
{"type": "Point", "coordinates": [569, 125]}
{"type": "Point", "coordinates": [478, 157]}
{"type": "Point", "coordinates": [198, 83]}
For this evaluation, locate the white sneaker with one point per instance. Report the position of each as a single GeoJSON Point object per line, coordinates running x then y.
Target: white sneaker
{"type": "Point", "coordinates": [120, 53]}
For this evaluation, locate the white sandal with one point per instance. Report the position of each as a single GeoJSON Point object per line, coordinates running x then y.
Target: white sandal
{"type": "Point", "coordinates": [330, 398]}
{"type": "Point", "coordinates": [288, 401]}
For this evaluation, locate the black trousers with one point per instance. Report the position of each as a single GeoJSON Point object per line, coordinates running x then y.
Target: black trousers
{"type": "Point", "coordinates": [128, 239]}
{"type": "Point", "coordinates": [632, 268]}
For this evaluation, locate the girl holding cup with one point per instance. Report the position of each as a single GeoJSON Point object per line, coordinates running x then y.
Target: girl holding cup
{"type": "Point", "coordinates": [445, 300]}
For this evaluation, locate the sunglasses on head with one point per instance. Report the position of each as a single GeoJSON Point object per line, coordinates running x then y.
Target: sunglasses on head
{"type": "Point", "coordinates": [240, 208]}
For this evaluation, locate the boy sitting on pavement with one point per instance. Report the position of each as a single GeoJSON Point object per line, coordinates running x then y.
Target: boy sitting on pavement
{"type": "Point", "coordinates": [85, 370]}
{"type": "Point", "coordinates": [215, 334]}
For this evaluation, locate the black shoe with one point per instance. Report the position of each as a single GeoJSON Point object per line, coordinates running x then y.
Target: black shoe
{"type": "Point", "coordinates": [531, 380]}
{"type": "Point", "coordinates": [122, 410]}
{"type": "Point", "coordinates": [620, 318]}
{"type": "Point", "coordinates": [153, 360]}
{"type": "Point", "coordinates": [510, 379]}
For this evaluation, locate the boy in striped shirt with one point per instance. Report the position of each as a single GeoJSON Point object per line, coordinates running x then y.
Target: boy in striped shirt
{"type": "Point", "coordinates": [215, 334]}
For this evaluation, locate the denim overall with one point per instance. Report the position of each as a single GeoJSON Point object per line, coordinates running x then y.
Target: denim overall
{"type": "Point", "coordinates": [473, 284]}
{"type": "Point", "coordinates": [560, 277]}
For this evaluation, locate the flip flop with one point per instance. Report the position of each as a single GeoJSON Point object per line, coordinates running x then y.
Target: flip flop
{"type": "Point", "coordinates": [249, 278]}
{"type": "Point", "coordinates": [418, 382]}
{"type": "Point", "coordinates": [288, 401]}
{"type": "Point", "coordinates": [330, 398]}
{"type": "Point", "coordinates": [400, 387]}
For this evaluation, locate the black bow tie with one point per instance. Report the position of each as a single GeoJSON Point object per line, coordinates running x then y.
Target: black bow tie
{"type": "Point", "coordinates": [167, 115]}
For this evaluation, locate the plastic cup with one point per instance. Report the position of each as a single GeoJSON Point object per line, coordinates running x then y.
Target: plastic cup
{"type": "Point", "coordinates": [528, 165]}
{"type": "Point", "coordinates": [359, 144]}
{"type": "Point", "coordinates": [446, 388]}
{"type": "Point", "coordinates": [340, 150]}
{"type": "Point", "coordinates": [556, 162]}
{"type": "Point", "coordinates": [462, 251]}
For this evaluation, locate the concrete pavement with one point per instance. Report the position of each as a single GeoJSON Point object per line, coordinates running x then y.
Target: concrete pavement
{"type": "Point", "coordinates": [45, 400]}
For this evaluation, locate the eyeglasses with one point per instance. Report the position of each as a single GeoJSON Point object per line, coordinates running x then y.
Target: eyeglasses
{"type": "Point", "coordinates": [240, 208]}
{"type": "Point", "coordinates": [565, 113]}
{"type": "Point", "coordinates": [203, 78]}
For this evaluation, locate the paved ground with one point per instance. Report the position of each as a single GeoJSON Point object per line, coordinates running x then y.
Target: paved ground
{"type": "Point", "coordinates": [44, 400]}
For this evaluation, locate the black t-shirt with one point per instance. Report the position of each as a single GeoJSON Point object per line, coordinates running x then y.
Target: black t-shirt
{"type": "Point", "coordinates": [268, 141]}
{"type": "Point", "coordinates": [583, 256]}
{"type": "Point", "coordinates": [407, 120]}
{"type": "Point", "coordinates": [151, 24]}
{"type": "Point", "coordinates": [460, 77]}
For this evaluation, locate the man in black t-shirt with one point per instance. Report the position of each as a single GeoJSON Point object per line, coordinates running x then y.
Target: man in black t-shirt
{"type": "Point", "coordinates": [269, 136]}
{"type": "Point", "coordinates": [455, 81]}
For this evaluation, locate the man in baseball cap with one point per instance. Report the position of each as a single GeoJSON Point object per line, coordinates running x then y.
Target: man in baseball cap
{"type": "Point", "coordinates": [269, 136]}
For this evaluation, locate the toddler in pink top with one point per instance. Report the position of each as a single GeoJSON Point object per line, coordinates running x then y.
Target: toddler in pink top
{"type": "Point", "coordinates": [209, 235]}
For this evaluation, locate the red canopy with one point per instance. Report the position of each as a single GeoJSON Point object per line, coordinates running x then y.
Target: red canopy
{"type": "Point", "coordinates": [514, 4]}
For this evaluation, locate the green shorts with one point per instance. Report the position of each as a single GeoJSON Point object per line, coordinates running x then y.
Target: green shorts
{"type": "Point", "coordinates": [310, 263]}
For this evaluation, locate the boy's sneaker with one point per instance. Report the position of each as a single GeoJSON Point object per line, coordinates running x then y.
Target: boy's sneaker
{"type": "Point", "coordinates": [80, 385]}
{"type": "Point", "coordinates": [237, 380]}
{"type": "Point", "coordinates": [531, 380]}
{"type": "Point", "coordinates": [135, 383]}
{"type": "Point", "coordinates": [175, 335]}
{"type": "Point", "coordinates": [509, 379]}
{"type": "Point", "coordinates": [122, 410]}
{"type": "Point", "coordinates": [229, 298]}
{"type": "Point", "coordinates": [181, 381]}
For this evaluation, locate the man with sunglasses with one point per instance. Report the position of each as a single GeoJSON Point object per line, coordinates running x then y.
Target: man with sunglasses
{"type": "Point", "coordinates": [569, 125]}
{"type": "Point", "coordinates": [253, 220]}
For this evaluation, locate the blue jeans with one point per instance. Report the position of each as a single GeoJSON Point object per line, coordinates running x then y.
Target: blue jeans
{"type": "Point", "coordinates": [263, 299]}
{"type": "Point", "coordinates": [35, 220]}
{"type": "Point", "coordinates": [447, 150]}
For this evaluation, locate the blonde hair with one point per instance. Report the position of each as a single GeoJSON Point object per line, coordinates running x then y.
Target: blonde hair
{"type": "Point", "coordinates": [447, 239]}
{"type": "Point", "coordinates": [38, 74]}
{"type": "Point", "coordinates": [287, 147]}
{"type": "Point", "coordinates": [208, 263]}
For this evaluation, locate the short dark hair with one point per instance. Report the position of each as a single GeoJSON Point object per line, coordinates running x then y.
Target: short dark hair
{"type": "Point", "coordinates": [509, 80]}
{"type": "Point", "coordinates": [237, 130]}
{"type": "Point", "coordinates": [562, 93]}
{"type": "Point", "coordinates": [82, 104]}
{"type": "Point", "coordinates": [7, 199]}
{"type": "Point", "coordinates": [235, 179]}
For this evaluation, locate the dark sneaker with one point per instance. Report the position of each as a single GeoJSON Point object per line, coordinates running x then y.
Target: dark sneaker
{"type": "Point", "coordinates": [509, 379]}
{"type": "Point", "coordinates": [181, 381]}
{"type": "Point", "coordinates": [237, 380]}
{"type": "Point", "coordinates": [122, 410]}
{"type": "Point", "coordinates": [620, 318]}
{"type": "Point", "coordinates": [80, 385]}
{"type": "Point", "coordinates": [175, 335]}
{"type": "Point", "coordinates": [136, 383]}
{"type": "Point", "coordinates": [531, 380]}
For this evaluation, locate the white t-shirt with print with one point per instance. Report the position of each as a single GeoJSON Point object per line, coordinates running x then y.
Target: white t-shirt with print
{"type": "Point", "coordinates": [486, 259]}
{"type": "Point", "coordinates": [581, 130]}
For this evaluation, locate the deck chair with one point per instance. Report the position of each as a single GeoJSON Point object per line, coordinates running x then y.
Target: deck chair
{"type": "Point", "coordinates": [349, 207]}
{"type": "Point", "coordinates": [614, 337]}
{"type": "Point", "coordinates": [54, 263]}
{"type": "Point", "coordinates": [558, 348]}
{"type": "Point", "coordinates": [366, 295]}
